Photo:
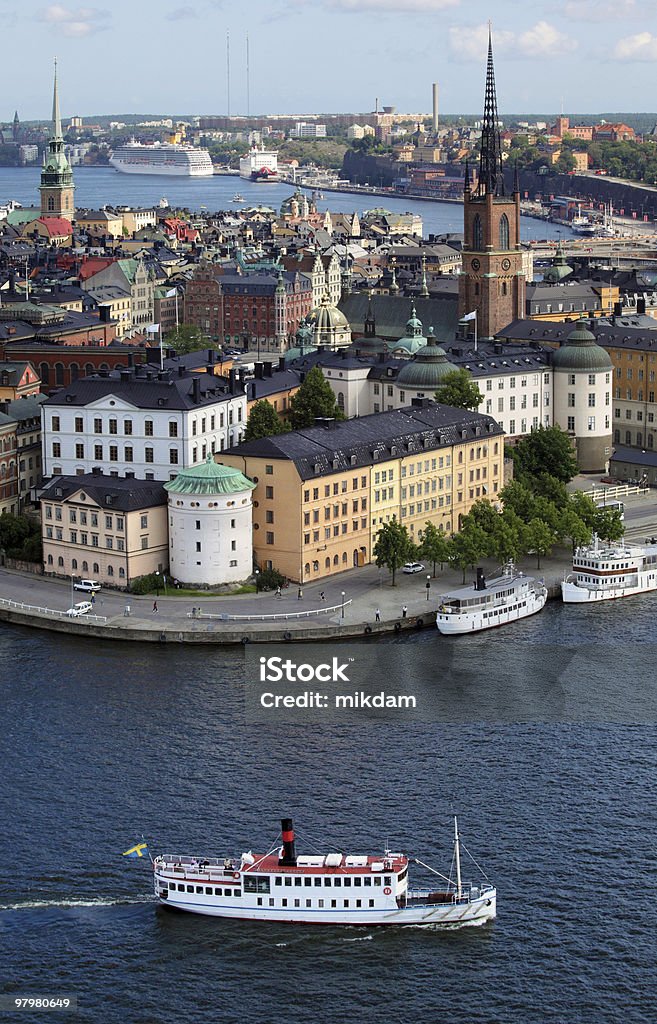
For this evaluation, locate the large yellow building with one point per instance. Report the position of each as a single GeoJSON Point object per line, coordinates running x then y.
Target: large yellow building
{"type": "Point", "coordinates": [322, 494]}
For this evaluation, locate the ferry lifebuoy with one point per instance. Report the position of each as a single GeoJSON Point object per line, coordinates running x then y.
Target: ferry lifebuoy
{"type": "Point", "coordinates": [387, 891]}
{"type": "Point", "coordinates": [236, 874]}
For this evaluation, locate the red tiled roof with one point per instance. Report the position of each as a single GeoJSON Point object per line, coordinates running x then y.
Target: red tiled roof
{"type": "Point", "coordinates": [56, 225]}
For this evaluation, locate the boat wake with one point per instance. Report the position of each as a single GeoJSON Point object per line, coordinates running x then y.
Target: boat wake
{"type": "Point", "coordinates": [49, 904]}
{"type": "Point", "coordinates": [359, 938]}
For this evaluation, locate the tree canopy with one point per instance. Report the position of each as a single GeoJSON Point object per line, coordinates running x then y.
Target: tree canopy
{"type": "Point", "coordinates": [313, 399]}
{"type": "Point", "coordinates": [547, 450]}
{"type": "Point", "coordinates": [263, 422]}
{"type": "Point", "coordinates": [393, 547]}
{"type": "Point", "coordinates": [187, 338]}
{"type": "Point", "coordinates": [459, 390]}
{"type": "Point", "coordinates": [434, 546]}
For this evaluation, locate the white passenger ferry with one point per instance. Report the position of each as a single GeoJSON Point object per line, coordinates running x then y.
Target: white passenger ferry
{"type": "Point", "coordinates": [260, 164]}
{"type": "Point", "coordinates": [326, 888]}
{"type": "Point", "coordinates": [162, 158]}
{"type": "Point", "coordinates": [603, 571]}
{"type": "Point", "coordinates": [505, 598]}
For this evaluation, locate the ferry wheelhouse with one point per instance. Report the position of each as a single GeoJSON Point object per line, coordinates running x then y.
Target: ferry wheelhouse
{"type": "Point", "coordinates": [505, 598]}
{"type": "Point", "coordinates": [605, 571]}
{"type": "Point", "coordinates": [323, 888]}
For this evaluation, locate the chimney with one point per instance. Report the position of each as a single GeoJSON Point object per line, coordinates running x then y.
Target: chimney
{"type": "Point", "coordinates": [131, 359]}
{"type": "Point", "coordinates": [281, 362]}
{"type": "Point", "coordinates": [211, 355]}
{"type": "Point", "coordinates": [481, 580]}
{"type": "Point", "coordinates": [618, 308]}
{"type": "Point", "coordinates": [434, 119]}
{"type": "Point", "coordinates": [289, 856]}
{"type": "Point", "coordinates": [181, 371]}
{"type": "Point", "coordinates": [196, 389]}
{"type": "Point", "coordinates": [232, 382]}
{"type": "Point", "coordinates": [269, 369]}
{"type": "Point", "coordinates": [259, 371]}
{"type": "Point", "coordinates": [105, 314]}
{"type": "Point", "coordinates": [125, 376]}
{"type": "Point", "coordinates": [328, 422]}
{"type": "Point", "coordinates": [640, 306]}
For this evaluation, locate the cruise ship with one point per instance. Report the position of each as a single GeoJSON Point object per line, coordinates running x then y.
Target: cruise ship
{"type": "Point", "coordinates": [604, 571]}
{"type": "Point", "coordinates": [260, 164]}
{"type": "Point", "coordinates": [322, 888]}
{"type": "Point", "coordinates": [162, 158]}
{"type": "Point", "coordinates": [506, 598]}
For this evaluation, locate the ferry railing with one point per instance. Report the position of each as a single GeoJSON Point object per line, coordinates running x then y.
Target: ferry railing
{"type": "Point", "coordinates": [284, 616]}
{"type": "Point", "coordinates": [52, 612]}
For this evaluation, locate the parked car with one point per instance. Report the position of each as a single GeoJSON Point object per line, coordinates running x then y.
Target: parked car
{"type": "Point", "coordinates": [89, 586]}
{"type": "Point", "coordinates": [412, 567]}
{"type": "Point", "coordinates": [81, 608]}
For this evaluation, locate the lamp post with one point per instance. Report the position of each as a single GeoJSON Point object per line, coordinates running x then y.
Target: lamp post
{"type": "Point", "coordinates": [428, 586]}
{"type": "Point", "coordinates": [343, 596]}
{"type": "Point", "coordinates": [72, 590]}
{"type": "Point", "coordinates": [157, 582]}
{"type": "Point", "coordinates": [257, 575]}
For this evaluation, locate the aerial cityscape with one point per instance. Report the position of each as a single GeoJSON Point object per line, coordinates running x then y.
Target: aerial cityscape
{"type": "Point", "coordinates": [314, 427]}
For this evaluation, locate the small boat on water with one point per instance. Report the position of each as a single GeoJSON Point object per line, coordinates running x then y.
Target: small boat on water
{"type": "Point", "coordinates": [322, 888]}
{"type": "Point", "coordinates": [604, 571]}
{"type": "Point", "coordinates": [506, 598]}
{"type": "Point", "coordinates": [238, 198]}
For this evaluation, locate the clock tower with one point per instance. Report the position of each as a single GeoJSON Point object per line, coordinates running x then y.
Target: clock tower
{"type": "Point", "coordinates": [56, 186]}
{"type": "Point", "coordinates": [492, 281]}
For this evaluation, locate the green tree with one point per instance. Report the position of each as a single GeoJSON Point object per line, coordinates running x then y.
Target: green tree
{"type": "Point", "coordinates": [313, 399]}
{"type": "Point", "coordinates": [187, 338]}
{"type": "Point", "coordinates": [459, 390]}
{"type": "Point", "coordinates": [507, 542]}
{"type": "Point", "coordinates": [574, 528]}
{"type": "Point", "coordinates": [549, 487]}
{"type": "Point", "coordinates": [539, 538]}
{"type": "Point", "coordinates": [545, 450]}
{"type": "Point", "coordinates": [393, 547]}
{"type": "Point", "coordinates": [467, 547]}
{"type": "Point", "coordinates": [20, 538]}
{"type": "Point", "coordinates": [518, 496]}
{"type": "Point", "coordinates": [434, 547]}
{"type": "Point", "coordinates": [484, 515]}
{"type": "Point", "coordinates": [608, 524]}
{"type": "Point", "coordinates": [585, 507]}
{"type": "Point", "coordinates": [263, 422]}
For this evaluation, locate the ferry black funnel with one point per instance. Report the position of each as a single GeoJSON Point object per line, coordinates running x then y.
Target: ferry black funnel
{"type": "Point", "coordinates": [481, 580]}
{"type": "Point", "coordinates": [289, 853]}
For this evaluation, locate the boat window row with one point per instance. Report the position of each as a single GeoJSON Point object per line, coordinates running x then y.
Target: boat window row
{"type": "Point", "coordinates": [316, 904]}
{"type": "Point", "coordinates": [504, 611]}
{"type": "Point", "coordinates": [336, 881]}
{"type": "Point", "coordinates": [589, 564]}
{"type": "Point", "coordinates": [202, 890]}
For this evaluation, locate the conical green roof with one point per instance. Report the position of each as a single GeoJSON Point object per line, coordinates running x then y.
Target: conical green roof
{"type": "Point", "coordinates": [209, 477]}
{"type": "Point", "coordinates": [580, 351]}
{"type": "Point", "coordinates": [428, 366]}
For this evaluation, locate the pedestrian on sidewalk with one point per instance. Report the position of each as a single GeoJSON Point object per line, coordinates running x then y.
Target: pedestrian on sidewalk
{"type": "Point", "coordinates": [154, 606]}
{"type": "Point", "coordinates": [278, 592]}
{"type": "Point", "coordinates": [321, 595]}
{"type": "Point", "coordinates": [299, 594]}
{"type": "Point", "coordinates": [404, 611]}
{"type": "Point", "coordinates": [126, 612]}
{"type": "Point", "coordinates": [377, 615]}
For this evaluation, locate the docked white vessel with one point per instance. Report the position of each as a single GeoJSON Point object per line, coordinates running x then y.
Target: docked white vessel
{"type": "Point", "coordinates": [505, 598]}
{"type": "Point", "coordinates": [604, 571]}
{"type": "Point", "coordinates": [162, 158]}
{"type": "Point", "coordinates": [326, 888]}
{"type": "Point", "coordinates": [260, 164]}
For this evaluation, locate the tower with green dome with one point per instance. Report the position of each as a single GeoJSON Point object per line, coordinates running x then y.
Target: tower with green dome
{"type": "Point", "coordinates": [210, 525]}
{"type": "Point", "coordinates": [583, 378]}
{"type": "Point", "coordinates": [56, 186]}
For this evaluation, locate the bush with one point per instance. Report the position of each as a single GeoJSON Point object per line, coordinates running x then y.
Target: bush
{"type": "Point", "coordinates": [270, 579]}
{"type": "Point", "coordinates": [145, 584]}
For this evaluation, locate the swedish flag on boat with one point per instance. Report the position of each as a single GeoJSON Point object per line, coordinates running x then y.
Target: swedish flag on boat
{"type": "Point", "coordinates": [136, 851]}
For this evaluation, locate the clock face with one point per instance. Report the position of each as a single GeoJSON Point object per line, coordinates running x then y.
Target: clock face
{"type": "Point", "coordinates": [475, 264]}
{"type": "Point", "coordinates": [506, 264]}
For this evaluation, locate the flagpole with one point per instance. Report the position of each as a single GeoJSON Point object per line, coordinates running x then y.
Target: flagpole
{"type": "Point", "coordinates": [177, 309]}
{"type": "Point", "coordinates": [475, 313]}
{"type": "Point", "coordinates": [161, 350]}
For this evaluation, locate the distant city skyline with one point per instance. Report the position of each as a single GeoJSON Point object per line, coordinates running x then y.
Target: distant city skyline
{"type": "Point", "coordinates": [326, 56]}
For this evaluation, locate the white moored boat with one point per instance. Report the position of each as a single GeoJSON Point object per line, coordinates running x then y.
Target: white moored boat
{"type": "Point", "coordinates": [503, 599]}
{"type": "Point", "coordinates": [603, 571]}
{"type": "Point", "coordinates": [329, 888]}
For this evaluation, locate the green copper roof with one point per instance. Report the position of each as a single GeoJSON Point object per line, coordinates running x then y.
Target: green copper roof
{"type": "Point", "coordinates": [580, 351]}
{"type": "Point", "coordinates": [428, 366]}
{"type": "Point", "coordinates": [209, 478]}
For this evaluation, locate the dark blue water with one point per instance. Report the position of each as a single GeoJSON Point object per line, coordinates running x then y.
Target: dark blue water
{"type": "Point", "coordinates": [95, 187]}
{"type": "Point", "coordinates": [104, 742]}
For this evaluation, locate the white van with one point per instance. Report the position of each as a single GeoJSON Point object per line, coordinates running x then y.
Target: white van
{"type": "Point", "coordinates": [81, 608]}
{"type": "Point", "coordinates": [88, 586]}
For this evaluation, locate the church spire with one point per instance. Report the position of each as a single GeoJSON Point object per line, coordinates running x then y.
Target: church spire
{"type": "Point", "coordinates": [491, 177]}
{"type": "Point", "coordinates": [56, 118]}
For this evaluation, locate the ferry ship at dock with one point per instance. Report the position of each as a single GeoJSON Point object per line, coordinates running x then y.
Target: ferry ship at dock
{"type": "Point", "coordinates": [324, 888]}
{"type": "Point", "coordinates": [604, 571]}
{"type": "Point", "coordinates": [506, 598]}
{"type": "Point", "coordinates": [260, 165]}
{"type": "Point", "coordinates": [162, 158]}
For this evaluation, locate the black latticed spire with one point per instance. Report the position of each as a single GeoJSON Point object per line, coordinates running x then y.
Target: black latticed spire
{"type": "Point", "coordinates": [466, 179]}
{"type": "Point", "coordinates": [491, 177]}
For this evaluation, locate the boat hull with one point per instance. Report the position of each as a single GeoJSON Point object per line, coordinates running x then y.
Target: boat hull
{"type": "Point", "coordinates": [474, 622]}
{"type": "Point", "coordinates": [162, 171]}
{"type": "Point", "coordinates": [572, 593]}
{"type": "Point", "coordinates": [455, 915]}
